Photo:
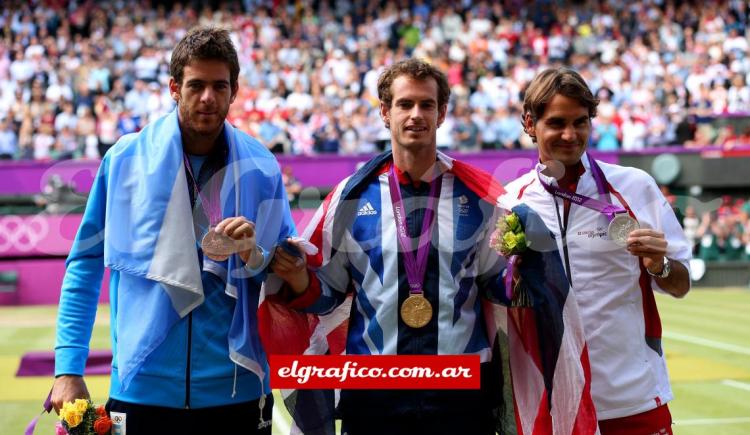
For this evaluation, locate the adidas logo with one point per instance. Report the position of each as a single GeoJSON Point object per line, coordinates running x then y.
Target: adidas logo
{"type": "Point", "coordinates": [367, 210]}
{"type": "Point", "coordinates": [463, 200]}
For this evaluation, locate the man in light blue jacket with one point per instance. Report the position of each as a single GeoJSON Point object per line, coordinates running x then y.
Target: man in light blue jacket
{"type": "Point", "coordinates": [184, 213]}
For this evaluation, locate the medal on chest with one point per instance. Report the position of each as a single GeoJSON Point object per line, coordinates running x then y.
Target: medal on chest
{"type": "Point", "coordinates": [216, 246]}
{"type": "Point", "coordinates": [621, 224]}
{"type": "Point", "coordinates": [619, 227]}
{"type": "Point", "coordinates": [416, 310]}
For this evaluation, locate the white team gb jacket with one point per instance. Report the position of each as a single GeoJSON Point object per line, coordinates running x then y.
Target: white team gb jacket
{"type": "Point", "coordinates": [614, 293]}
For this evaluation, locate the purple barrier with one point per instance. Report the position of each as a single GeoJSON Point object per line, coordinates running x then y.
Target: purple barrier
{"type": "Point", "coordinates": [712, 150]}
{"type": "Point", "coordinates": [38, 281]}
{"type": "Point", "coordinates": [37, 235]}
{"type": "Point", "coordinates": [28, 178]}
{"type": "Point", "coordinates": [505, 166]}
{"type": "Point", "coordinates": [42, 363]}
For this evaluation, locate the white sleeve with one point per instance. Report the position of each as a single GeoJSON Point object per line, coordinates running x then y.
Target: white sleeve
{"type": "Point", "coordinates": [662, 218]}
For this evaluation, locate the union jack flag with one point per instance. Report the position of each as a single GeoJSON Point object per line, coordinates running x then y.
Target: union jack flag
{"type": "Point", "coordinates": [548, 360]}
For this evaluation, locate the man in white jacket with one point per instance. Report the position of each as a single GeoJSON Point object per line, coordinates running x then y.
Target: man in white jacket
{"type": "Point", "coordinates": [620, 241]}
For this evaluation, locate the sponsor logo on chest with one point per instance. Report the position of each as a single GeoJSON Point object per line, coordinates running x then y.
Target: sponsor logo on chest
{"type": "Point", "coordinates": [367, 210]}
{"type": "Point", "coordinates": [598, 233]}
{"type": "Point", "coordinates": [463, 205]}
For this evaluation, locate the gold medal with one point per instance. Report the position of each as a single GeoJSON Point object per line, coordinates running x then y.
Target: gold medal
{"type": "Point", "coordinates": [416, 311]}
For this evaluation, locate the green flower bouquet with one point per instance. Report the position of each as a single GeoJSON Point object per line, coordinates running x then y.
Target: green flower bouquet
{"type": "Point", "coordinates": [509, 240]}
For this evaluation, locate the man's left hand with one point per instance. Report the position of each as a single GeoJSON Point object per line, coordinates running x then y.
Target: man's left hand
{"type": "Point", "coordinates": [650, 245]}
{"type": "Point", "coordinates": [291, 268]}
{"type": "Point", "coordinates": [241, 229]}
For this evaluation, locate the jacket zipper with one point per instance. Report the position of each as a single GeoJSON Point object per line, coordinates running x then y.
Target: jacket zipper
{"type": "Point", "coordinates": [187, 367]}
{"type": "Point", "coordinates": [564, 236]}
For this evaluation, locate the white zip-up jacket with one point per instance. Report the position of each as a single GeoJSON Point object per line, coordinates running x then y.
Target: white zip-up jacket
{"type": "Point", "coordinates": [613, 290]}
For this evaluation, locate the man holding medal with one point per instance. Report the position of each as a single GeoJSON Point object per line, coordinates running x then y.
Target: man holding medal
{"type": "Point", "coordinates": [408, 236]}
{"type": "Point", "coordinates": [184, 213]}
{"type": "Point", "coordinates": [620, 241]}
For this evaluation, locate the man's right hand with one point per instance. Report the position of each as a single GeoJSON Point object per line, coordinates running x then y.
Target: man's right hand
{"type": "Point", "coordinates": [68, 388]}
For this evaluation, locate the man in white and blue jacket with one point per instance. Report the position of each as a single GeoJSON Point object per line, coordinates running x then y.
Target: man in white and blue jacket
{"type": "Point", "coordinates": [186, 352]}
{"type": "Point", "coordinates": [356, 232]}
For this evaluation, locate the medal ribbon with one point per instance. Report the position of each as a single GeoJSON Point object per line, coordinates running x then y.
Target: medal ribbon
{"type": "Point", "coordinates": [415, 266]}
{"type": "Point", "coordinates": [511, 266]}
{"type": "Point", "coordinates": [47, 408]}
{"type": "Point", "coordinates": [605, 208]}
{"type": "Point", "coordinates": [212, 209]}
{"type": "Point", "coordinates": [599, 179]}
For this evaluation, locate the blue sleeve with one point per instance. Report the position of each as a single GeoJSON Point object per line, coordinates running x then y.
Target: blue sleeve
{"type": "Point", "coordinates": [288, 228]}
{"type": "Point", "coordinates": [81, 285]}
{"type": "Point", "coordinates": [494, 287]}
{"type": "Point", "coordinates": [278, 213]}
{"type": "Point", "coordinates": [333, 279]}
{"type": "Point", "coordinates": [329, 296]}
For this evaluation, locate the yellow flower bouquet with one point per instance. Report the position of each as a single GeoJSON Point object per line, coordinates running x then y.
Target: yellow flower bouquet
{"type": "Point", "coordinates": [82, 417]}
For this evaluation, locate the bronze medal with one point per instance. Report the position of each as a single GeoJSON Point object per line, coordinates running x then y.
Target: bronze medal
{"type": "Point", "coordinates": [217, 247]}
{"type": "Point", "coordinates": [416, 311]}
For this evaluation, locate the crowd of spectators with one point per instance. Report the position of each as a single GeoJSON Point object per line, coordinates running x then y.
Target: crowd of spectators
{"type": "Point", "coordinates": [723, 234]}
{"type": "Point", "coordinates": [76, 75]}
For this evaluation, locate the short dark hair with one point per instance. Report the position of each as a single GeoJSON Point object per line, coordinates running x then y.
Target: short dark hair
{"type": "Point", "coordinates": [416, 69]}
{"type": "Point", "coordinates": [564, 81]}
{"type": "Point", "coordinates": [205, 43]}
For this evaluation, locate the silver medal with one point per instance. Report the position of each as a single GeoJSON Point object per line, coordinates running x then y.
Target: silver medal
{"type": "Point", "coordinates": [620, 227]}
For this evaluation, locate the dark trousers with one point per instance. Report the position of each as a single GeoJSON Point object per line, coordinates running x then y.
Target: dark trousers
{"type": "Point", "coordinates": [435, 424]}
{"type": "Point", "coordinates": [433, 412]}
{"type": "Point", "coordinates": [242, 418]}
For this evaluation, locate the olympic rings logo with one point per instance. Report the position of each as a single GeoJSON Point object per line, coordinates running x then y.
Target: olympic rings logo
{"type": "Point", "coordinates": [22, 234]}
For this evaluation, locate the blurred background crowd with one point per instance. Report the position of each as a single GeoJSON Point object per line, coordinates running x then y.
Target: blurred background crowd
{"type": "Point", "coordinates": [723, 234]}
{"type": "Point", "coordinates": [78, 74]}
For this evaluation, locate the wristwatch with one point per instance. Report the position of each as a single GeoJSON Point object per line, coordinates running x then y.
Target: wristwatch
{"type": "Point", "coordinates": [259, 251]}
{"type": "Point", "coordinates": [664, 271]}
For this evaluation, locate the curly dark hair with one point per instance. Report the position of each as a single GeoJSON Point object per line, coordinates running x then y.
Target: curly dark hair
{"type": "Point", "coordinates": [416, 69]}
{"type": "Point", "coordinates": [205, 43]}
